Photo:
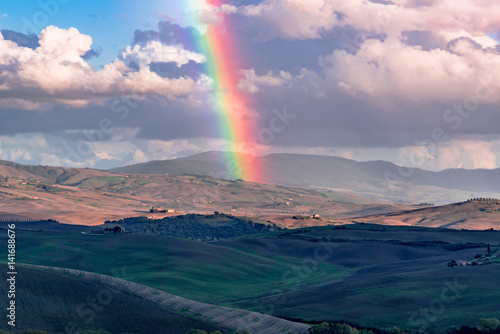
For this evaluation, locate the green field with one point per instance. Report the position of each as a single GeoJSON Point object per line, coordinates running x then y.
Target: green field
{"type": "Point", "coordinates": [195, 270]}
{"type": "Point", "coordinates": [60, 304]}
{"type": "Point", "coordinates": [376, 276]}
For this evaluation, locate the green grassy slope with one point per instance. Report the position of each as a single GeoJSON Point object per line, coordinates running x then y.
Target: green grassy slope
{"type": "Point", "coordinates": [391, 283]}
{"type": "Point", "coordinates": [369, 275]}
{"type": "Point", "coordinates": [194, 270]}
{"type": "Point", "coordinates": [61, 304]}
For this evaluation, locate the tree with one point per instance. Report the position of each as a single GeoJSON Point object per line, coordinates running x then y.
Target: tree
{"type": "Point", "coordinates": [332, 328]}
{"type": "Point", "coordinates": [323, 328]}
{"type": "Point", "coordinates": [488, 325]}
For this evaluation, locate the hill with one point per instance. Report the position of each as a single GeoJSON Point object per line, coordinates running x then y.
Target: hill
{"type": "Point", "coordinates": [56, 299]}
{"type": "Point", "coordinates": [370, 275]}
{"type": "Point", "coordinates": [374, 179]}
{"type": "Point", "coordinates": [60, 303]}
{"type": "Point", "coordinates": [89, 197]}
{"type": "Point", "coordinates": [397, 274]}
{"type": "Point", "coordinates": [478, 214]}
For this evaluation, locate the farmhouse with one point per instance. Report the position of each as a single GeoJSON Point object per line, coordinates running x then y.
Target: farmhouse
{"type": "Point", "coordinates": [156, 210]}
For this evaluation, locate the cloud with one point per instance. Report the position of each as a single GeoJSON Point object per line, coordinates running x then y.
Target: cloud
{"type": "Point", "coordinates": [305, 20]}
{"type": "Point", "coordinates": [310, 19]}
{"type": "Point", "coordinates": [139, 156]}
{"type": "Point", "coordinates": [62, 150]}
{"type": "Point", "coordinates": [20, 148]}
{"type": "Point", "coordinates": [252, 81]}
{"type": "Point", "coordinates": [156, 52]}
{"type": "Point", "coordinates": [169, 33]}
{"type": "Point", "coordinates": [421, 51]}
{"type": "Point", "coordinates": [384, 70]}
{"type": "Point", "coordinates": [364, 79]}
{"type": "Point", "coordinates": [358, 74]}
{"type": "Point", "coordinates": [55, 73]}
{"type": "Point", "coordinates": [462, 153]}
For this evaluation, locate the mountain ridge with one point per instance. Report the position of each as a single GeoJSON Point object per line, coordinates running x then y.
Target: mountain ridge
{"type": "Point", "coordinates": [376, 179]}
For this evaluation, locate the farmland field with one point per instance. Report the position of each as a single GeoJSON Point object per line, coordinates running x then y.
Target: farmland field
{"type": "Point", "coordinates": [369, 275]}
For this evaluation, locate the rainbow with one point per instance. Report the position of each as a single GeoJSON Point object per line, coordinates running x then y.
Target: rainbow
{"type": "Point", "coordinates": [231, 104]}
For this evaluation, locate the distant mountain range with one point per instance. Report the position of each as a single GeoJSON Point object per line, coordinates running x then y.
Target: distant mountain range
{"type": "Point", "coordinates": [375, 179]}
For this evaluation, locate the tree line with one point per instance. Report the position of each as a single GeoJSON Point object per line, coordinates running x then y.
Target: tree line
{"type": "Point", "coordinates": [197, 227]}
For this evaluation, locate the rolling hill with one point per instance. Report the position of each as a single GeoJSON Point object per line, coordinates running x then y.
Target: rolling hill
{"type": "Point", "coordinates": [369, 275]}
{"type": "Point", "coordinates": [56, 299]}
{"type": "Point", "coordinates": [477, 214]}
{"type": "Point", "coordinates": [59, 303]}
{"type": "Point", "coordinates": [89, 197]}
{"type": "Point", "coordinates": [374, 179]}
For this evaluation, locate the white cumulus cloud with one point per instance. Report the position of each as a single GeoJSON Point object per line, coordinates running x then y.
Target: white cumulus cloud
{"type": "Point", "coordinates": [55, 73]}
{"type": "Point", "coordinates": [154, 51]}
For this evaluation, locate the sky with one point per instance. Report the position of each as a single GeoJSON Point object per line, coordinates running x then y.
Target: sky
{"type": "Point", "coordinates": [109, 83]}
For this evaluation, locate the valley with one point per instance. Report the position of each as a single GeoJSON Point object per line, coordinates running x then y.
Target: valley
{"type": "Point", "coordinates": [303, 254]}
{"type": "Point", "coordinates": [332, 273]}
